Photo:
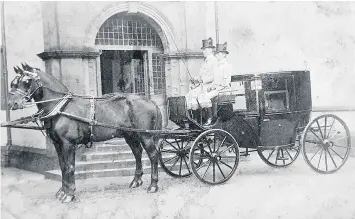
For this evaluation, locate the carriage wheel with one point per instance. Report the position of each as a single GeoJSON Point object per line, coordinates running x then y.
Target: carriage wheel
{"type": "Point", "coordinates": [174, 156]}
{"type": "Point", "coordinates": [326, 143]}
{"type": "Point", "coordinates": [214, 156]}
{"type": "Point", "coordinates": [283, 156]}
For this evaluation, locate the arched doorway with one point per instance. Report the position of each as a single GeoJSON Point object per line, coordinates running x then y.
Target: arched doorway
{"type": "Point", "coordinates": [130, 56]}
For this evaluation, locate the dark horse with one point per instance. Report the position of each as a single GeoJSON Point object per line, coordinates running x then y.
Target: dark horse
{"type": "Point", "coordinates": [128, 111]}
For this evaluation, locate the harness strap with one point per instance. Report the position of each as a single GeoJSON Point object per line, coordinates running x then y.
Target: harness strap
{"type": "Point", "coordinates": [58, 107]}
{"type": "Point", "coordinates": [92, 118]}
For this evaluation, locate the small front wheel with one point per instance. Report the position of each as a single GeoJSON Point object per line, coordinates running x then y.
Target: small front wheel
{"type": "Point", "coordinates": [174, 156]}
{"type": "Point", "coordinates": [214, 156]}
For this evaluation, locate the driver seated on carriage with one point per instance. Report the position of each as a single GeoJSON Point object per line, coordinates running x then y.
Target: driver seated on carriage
{"type": "Point", "coordinates": [214, 77]}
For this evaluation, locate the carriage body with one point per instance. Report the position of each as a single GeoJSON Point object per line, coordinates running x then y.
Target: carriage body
{"type": "Point", "coordinates": [266, 109]}
{"type": "Point", "coordinates": [259, 110]}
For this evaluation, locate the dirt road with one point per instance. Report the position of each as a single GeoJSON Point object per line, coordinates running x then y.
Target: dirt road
{"type": "Point", "coordinates": [256, 191]}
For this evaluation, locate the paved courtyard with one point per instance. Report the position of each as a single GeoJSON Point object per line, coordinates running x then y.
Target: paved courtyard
{"type": "Point", "coordinates": [256, 191]}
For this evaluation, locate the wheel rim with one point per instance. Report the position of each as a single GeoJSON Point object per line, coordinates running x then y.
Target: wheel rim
{"type": "Point", "coordinates": [283, 156]}
{"type": "Point", "coordinates": [214, 156]}
{"type": "Point", "coordinates": [326, 143]}
{"type": "Point", "coordinates": [174, 156]}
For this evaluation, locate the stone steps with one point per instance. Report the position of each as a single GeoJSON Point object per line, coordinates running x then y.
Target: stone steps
{"type": "Point", "coordinates": [107, 159]}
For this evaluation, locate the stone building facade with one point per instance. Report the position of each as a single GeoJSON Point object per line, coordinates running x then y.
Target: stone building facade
{"type": "Point", "coordinates": [90, 47]}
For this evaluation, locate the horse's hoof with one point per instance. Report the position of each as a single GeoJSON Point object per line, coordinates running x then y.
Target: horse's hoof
{"type": "Point", "coordinates": [68, 198]}
{"type": "Point", "coordinates": [152, 189]}
{"type": "Point", "coordinates": [136, 183]}
{"type": "Point", "coordinates": [60, 195]}
{"type": "Point", "coordinates": [59, 192]}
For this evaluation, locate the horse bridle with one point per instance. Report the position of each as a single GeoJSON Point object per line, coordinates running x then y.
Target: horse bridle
{"type": "Point", "coordinates": [26, 96]}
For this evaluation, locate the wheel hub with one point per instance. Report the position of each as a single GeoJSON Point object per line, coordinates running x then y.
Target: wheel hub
{"type": "Point", "coordinates": [327, 143]}
{"type": "Point", "coordinates": [182, 152]}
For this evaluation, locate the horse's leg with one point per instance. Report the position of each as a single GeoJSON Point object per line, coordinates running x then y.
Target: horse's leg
{"type": "Point", "coordinates": [148, 143]}
{"type": "Point", "coordinates": [68, 177]}
{"type": "Point", "coordinates": [58, 148]}
{"type": "Point", "coordinates": [136, 148]}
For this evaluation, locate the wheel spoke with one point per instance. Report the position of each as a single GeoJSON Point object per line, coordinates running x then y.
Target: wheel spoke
{"type": "Point", "coordinates": [337, 154]}
{"type": "Point", "coordinates": [201, 157]}
{"type": "Point", "coordinates": [214, 171]}
{"type": "Point", "coordinates": [320, 130]}
{"type": "Point", "coordinates": [171, 145]}
{"type": "Point", "coordinates": [226, 149]}
{"type": "Point", "coordinates": [221, 170]}
{"type": "Point", "coordinates": [227, 156]}
{"type": "Point", "coordinates": [325, 126]}
{"type": "Point", "coordinates": [168, 151]}
{"type": "Point", "coordinates": [177, 143]}
{"type": "Point", "coordinates": [325, 160]}
{"type": "Point", "coordinates": [221, 143]}
{"type": "Point", "coordinates": [277, 155]}
{"type": "Point", "coordinates": [209, 148]}
{"type": "Point", "coordinates": [321, 153]}
{"type": "Point", "coordinates": [171, 159]}
{"type": "Point", "coordinates": [273, 150]}
{"type": "Point", "coordinates": [340, 146]}
{"type": "Point", "coordinates": [289, 154]}
{"type": "Point", "coordinates": [204, 164]}
{"type": "Point", "coordinates": [188, 168]}
{"type": "Point", "coordinates": [226, 164]}
{"type": "Point", "coordinates": [283, 160]}
{"type": "Point", "coordinates": [315, 154]}
{"type": "Point", "coordinates": [315, 135]}
{"type": "Point", "coordinates": [339, 138]}
{"type": "Point", "coordinates": [214, 143]}
{"type": "Point", "coordinates": [331, 157]}
{"type": "Point", "coordinates": [174, 164]}
{"type": "Point", "coordinates": [335, 134]}
{"type": "Point", "coordinates": [330, 129]}
{"type": "Point", "coordinates": [180, 166]}
{"type": "Point", "coordinates": [206, 170]}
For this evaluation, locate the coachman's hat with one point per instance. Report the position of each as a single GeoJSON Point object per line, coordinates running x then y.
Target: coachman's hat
{"type": "Point", "coordinates": [222, 48]}
{"type": "Point", "coordinates": [208, 43]}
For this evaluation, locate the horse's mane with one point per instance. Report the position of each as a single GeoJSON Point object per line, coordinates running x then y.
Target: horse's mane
{"type": "Point", "coordinates": [51, 82]}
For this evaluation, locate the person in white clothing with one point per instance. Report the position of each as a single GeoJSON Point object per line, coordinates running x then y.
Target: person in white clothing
{"type": "Point", "coordinates": [204, 81]}
{"type": "Point", "coordinates": [222, 76]}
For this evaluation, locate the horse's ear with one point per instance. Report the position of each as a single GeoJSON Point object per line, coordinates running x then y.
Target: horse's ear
{"type": "Point", "coordinates": [19, 70]}
{"type": "Point", "coordinates": [15, 70]}
{"type": "Point", "coordinates": [24, 66]}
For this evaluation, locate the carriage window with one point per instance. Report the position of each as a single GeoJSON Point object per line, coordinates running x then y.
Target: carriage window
{"type": "Point", "coordinates": [276, 100]}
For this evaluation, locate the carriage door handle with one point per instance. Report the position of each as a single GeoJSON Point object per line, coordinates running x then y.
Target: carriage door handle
{"type": "Point", "coordinates": [266, 120]}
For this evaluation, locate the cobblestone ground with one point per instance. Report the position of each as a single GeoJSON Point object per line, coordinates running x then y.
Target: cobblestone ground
{"type": "Point", "coordinates": [256, 191]}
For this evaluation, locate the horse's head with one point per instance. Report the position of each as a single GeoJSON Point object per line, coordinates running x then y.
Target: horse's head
{"type": "Point", "coordinates": [23, 87]}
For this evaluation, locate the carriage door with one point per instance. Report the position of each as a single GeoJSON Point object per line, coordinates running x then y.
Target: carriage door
{"type": "Point", "coordinates": [277, 101]}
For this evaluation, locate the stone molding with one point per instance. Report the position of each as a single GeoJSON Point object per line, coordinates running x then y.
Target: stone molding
{"type": "Point", "coordinates": [198, 55]}
{"type": "Point", "coordinates": [65, 54]}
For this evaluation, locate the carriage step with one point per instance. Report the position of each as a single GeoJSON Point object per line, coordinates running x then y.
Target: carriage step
{"type": "Point", "coordinates": [56, 174]}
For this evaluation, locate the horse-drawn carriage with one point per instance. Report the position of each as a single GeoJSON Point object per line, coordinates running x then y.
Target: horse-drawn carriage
{"type": "Point", "coordinates": [269, 113]}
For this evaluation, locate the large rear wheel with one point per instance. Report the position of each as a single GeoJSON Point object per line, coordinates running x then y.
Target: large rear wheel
{"type": "Point", "coordinates": [326, 143]}
{"type": "Point", "coordinates": [214, 156]}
